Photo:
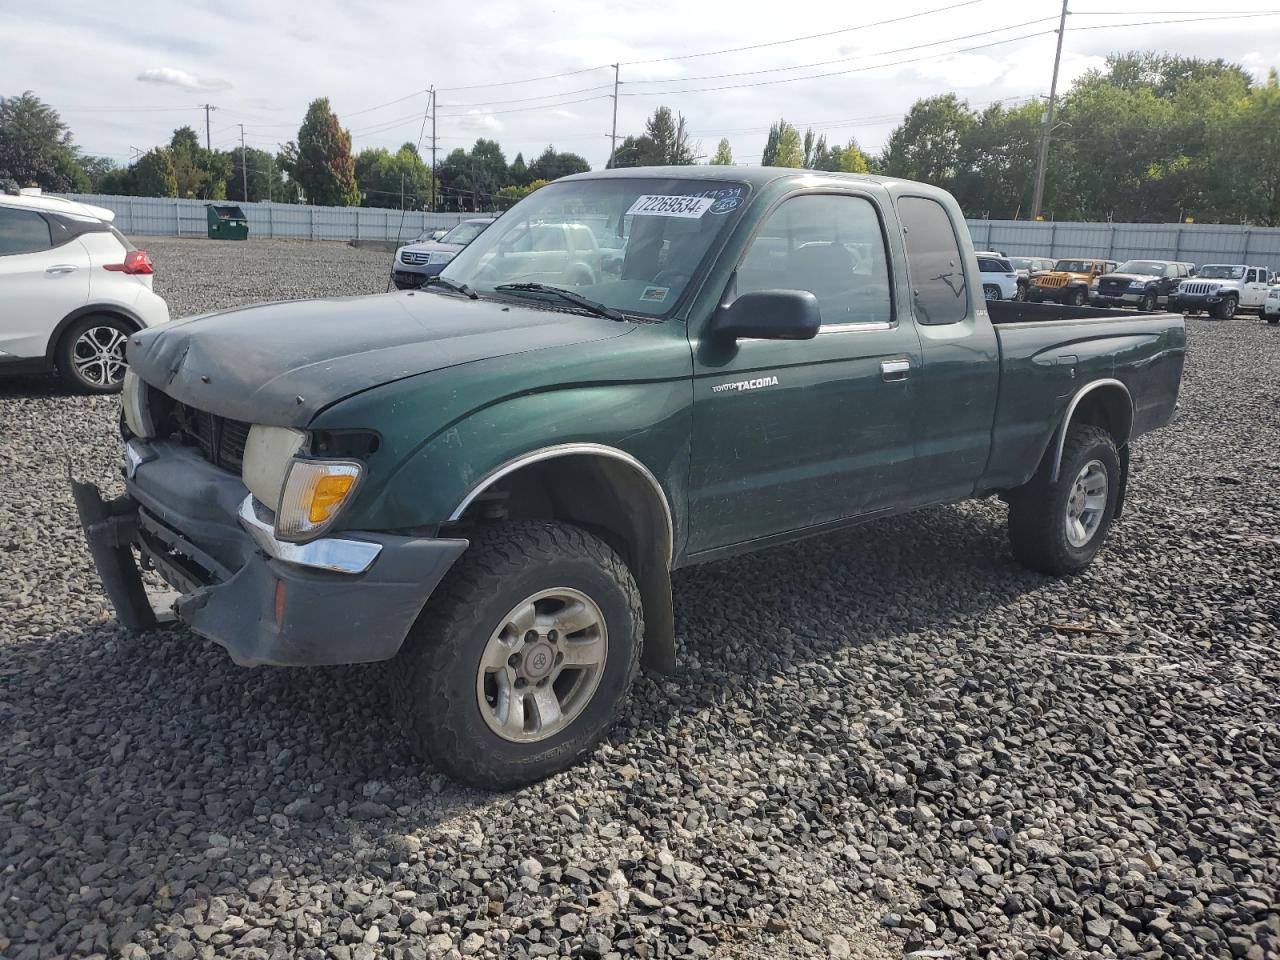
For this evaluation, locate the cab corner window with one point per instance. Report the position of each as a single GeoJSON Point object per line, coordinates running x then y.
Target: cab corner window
{"type": "Point", "coordinates": [934, 263]}
{"type": "Point", "coordinates": [22, 231]}
{"type": "Point", "coordinates": [832, 246]}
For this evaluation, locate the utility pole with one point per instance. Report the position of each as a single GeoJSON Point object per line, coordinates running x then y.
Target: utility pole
{"type": "Point", "coordinates": [244, 168]}
{"type": "Point", "coordinates": [271, 173]}
{"type": "Point", "coordinates": [401, 189]}
{"type": "Point", "coordinates": [1037, 197]}
{"type": "Point", "coordinates": [208, 141]}
{"type": "Point", "coordinates": [433, 149]}
{"type": "Point", "coordinates": [613, 134]}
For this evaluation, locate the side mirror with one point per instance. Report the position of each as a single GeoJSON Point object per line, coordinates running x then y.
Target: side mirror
{"type": "Point", "coordinates": [769, 315]}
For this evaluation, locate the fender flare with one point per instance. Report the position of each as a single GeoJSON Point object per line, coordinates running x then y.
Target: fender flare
{"type": "Point", "coordinates": [1080, 394]}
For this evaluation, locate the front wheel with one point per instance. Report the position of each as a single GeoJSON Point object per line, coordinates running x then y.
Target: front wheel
{"type": "Point", "coordinates": [1226, 308]}
{"type": "Point", "coordinates": [1076, 298]}
{"type": "Point", "coordinates": [990, 291]}
{"type": "Point", "coordinates": [1149, 301]}
{"type": "Point", "coordinates": [1270, 319]}
{"type": "Point", "coordinates": [1057, 526]}
{"type": "Point", "coordinates": [521, 662]}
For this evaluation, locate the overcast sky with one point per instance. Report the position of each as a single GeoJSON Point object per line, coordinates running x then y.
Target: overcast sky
{"type": "Point", "coordinates": [125, 76]}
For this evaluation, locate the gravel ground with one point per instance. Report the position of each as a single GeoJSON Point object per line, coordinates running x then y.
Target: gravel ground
{"type": "Point", "coordinates": [884, 741]}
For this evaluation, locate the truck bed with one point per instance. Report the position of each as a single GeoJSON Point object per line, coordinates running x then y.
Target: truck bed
{"type": "Point", "coordinates": [1049, 353]}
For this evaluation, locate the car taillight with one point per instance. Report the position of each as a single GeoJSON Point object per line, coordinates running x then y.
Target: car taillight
{"type": "Point", "coordinates": [135, 261]}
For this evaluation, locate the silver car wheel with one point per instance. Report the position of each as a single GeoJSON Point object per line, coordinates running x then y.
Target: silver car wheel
{"type": "Point", "coordinates": [542, 665]}
{"type": "Point", "coordinates": [1087, 503]}
{"type": "Point", "coordinates": [98, 356]}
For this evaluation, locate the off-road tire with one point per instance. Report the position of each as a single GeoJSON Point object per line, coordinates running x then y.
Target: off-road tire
{"type": "Point", "coordinates": [1225, 308]}
{"type": "Point", "coordinates": [1037, 510]}
{"type": "Point", "coordinates": [1270, 319]}
{"type": "Point", "coordinates": [1077, 298]}
{"type": "Point", "coordinates": [433, 678]}
{"type": "Point", "coordinates": [65, 357]}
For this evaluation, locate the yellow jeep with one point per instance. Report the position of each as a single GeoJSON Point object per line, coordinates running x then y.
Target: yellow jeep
{"type": "Point", "coordinates": [1068, 281]}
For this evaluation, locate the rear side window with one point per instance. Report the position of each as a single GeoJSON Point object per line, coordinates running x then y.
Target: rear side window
{"type": "Point", "coordinates": [933, 261]}
{"type": "Point", "coordinates": [22, 231]}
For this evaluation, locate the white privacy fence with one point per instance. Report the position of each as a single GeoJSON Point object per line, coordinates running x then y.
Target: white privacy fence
{"type": "Point", "coordinates": [1196, 242]}
{"type": "Point", "coordinates": [172, 217]}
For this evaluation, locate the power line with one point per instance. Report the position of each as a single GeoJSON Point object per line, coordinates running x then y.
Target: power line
{"type": "Point", "coordinates": [811, 36]}
{"type": "Point", "coordinates": [861, 56]}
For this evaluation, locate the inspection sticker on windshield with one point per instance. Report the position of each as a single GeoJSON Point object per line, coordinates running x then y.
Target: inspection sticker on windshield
{"type": "Point", "coordinates": [656, 205]}
{"type": "Point", "coordinates": [655, 294]}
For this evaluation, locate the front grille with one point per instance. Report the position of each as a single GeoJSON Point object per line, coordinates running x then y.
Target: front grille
{"type": "Point", "coordinates": [221, 440]}
{"type": "Point", "coordinates": [1196, 289]}
{"type": "Point", "coordinates": [1113, 286]}
{"type": "Point", "coordinates": [1051, 281]}
{"type": "Point", "coordinates": [414, 258]}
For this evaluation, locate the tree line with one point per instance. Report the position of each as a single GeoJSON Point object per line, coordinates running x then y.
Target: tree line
{"type": "Point", "coordinates": [1146, 138]}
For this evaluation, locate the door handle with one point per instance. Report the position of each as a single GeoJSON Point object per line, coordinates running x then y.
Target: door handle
{"type": "Point", "coordinates": [61, 268]}
{"type": "Point", "coordinates": [892, 370]}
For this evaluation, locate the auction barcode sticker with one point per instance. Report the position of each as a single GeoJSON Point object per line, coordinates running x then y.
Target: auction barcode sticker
{"type": "Point", "coordinates": [656, 205]}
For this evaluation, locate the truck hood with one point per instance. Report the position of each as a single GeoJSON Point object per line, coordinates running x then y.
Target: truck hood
{"type": "Point", "coordinates": [282, 363]}
{"type": "Point", "coordinates": [432, 246]}
{"type": "Point", "coordinates": [1130, 277]}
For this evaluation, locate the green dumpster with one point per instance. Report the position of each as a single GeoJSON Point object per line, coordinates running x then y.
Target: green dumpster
{"type": "Point", "coordinates": [227, 222]}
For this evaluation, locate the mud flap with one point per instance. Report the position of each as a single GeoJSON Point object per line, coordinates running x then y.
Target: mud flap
{"type": "Point", "coordinates": [1124, 481]}
{"type": "Point", "coordinates": [110, 527]}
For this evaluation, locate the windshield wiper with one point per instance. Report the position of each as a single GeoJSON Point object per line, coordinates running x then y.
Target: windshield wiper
{"type": "Point", "coordinates": [599, 309]}
{"type": "Point", "coordinates": [453, 285]}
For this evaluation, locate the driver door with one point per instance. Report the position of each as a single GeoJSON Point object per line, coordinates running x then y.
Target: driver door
{"type": "Point", "coordinates": [789, 434]}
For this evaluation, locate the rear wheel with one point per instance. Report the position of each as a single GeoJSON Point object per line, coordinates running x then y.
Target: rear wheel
{"type": "Point", "coordinates": [1057, 526]}
{"type": "Point", "coordinates": [1226, 308]}
{"type": "Point", "coordinates": [521, 662]}
{"type": "Point", "coordinates": [91, 355]}
{"type": "Point", "coordinates": [990, 291]}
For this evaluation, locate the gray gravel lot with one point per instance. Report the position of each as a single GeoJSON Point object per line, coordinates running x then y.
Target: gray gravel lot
{"type": "Point", "coordinates": [882, 741]}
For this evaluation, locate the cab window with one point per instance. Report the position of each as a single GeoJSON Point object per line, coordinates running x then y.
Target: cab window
{"type": "Point", "coordinates": [831, 245]}
{"type": "Point", "coordinates": [22, 231]}
{"type": "Point", "coordinates": [934, 264]}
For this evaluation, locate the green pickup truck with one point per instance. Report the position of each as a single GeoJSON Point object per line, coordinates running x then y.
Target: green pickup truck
{"type": "Point", "coordinates": [489, 481]}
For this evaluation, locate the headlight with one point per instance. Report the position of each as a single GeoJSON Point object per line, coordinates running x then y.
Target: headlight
{"type": "Point", "coordinates": [314, 494]}
{"type": "Point", "coordinates": [133, 397]}
{"type": "Point", "coordinates": [1094, 285]}
{"type": "Point", "coordinates": [268, 452]}
{"type": "Point", "coordinates": [1137, 284]}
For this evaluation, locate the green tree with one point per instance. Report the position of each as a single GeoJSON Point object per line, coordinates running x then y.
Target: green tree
{"type": "Point", "coordinates": [512, 194]}
{"type": "Point", "coordinates": [154, 176]}
{"type": "Point", "coordinates": [670, 136]}
{"type": "Point", "coordinates": [552, 166]}
{"type": "Point", "coordinates": [519, 171]}
{"type": "Point", "coordinates": [264, 174]}
{"type": "Point", "coordinates": [36, 147]}
{"type": "Point", "coordinates": [997, 161]}
{"type": "Point", "coordinates": [1249, 188]}
{"type": "Point", "coordinates": [97, 169]}
{"type": "Point", "coordinates": [723, 155]}
{"type": "Point", "coordinates": [470, 179]}
{"type": "Point", "coordinates": [320, 161]}
{"type": "Point", "coordinates": [637, 152]}
{"type": "Point", "coordinates": [926, 146]}
{"type": "Point", "coordinates": [382, 176]}
{"type": "Point", "coordinates": [837, 159]}
{"type": "Point", "coordinates": [783, 147]}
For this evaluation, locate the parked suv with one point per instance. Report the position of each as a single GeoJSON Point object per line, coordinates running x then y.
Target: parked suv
{"type": "Point", "coordinates": [426, 256]}
{"type": "Point", "coordinates": [1027, 269]}
{"type": "Point", "coordinates": [1271, 306]}
{"type": "Point", "coordinates": [73, 289]}
{"type": "Point", "coordinates": [1221, 289]}
{"type": "Point", "coordinates": [999, 279]}
{"type": "Point", "coordinates": [1145, 284]}
{"type": "Point", "coordinates": [1068, 282]}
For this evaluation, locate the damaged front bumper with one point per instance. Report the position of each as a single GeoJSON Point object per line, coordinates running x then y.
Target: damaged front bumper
{"type": "Point", "coordinates": [342, 599]}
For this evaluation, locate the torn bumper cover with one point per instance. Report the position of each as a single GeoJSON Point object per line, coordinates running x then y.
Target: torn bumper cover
{"type": "Point", "coordinates": [344, 599]}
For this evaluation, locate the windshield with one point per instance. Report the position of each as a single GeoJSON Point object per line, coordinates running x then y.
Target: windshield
{"type": "Point", "coordinates": [632, 244]}
{"type": "Point", "coordinates": [1146, 268]}
{"type": "Point", "coordinates": [1021, 263]}
{"type": "Point", "coordinates": [464, 232]}
{"type": "Point", "coordinates": [1074, 266]}
{"type": "Point", "coordinates": [1221, 271]}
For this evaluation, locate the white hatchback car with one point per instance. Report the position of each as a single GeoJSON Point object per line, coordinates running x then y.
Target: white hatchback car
{"type": "Point", "coordinates": [999, 279]}
{"type": "Point", "coordinates": [72, 289]}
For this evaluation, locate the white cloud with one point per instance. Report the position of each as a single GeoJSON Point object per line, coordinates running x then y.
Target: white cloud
{"type": "Point", "coordinates": [477, 120]}
{"type": "Point", "coordinates": [181, 78]}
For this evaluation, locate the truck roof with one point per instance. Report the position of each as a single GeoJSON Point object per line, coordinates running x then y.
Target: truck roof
{"type": "Point", "coordinates": [755, 176]}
